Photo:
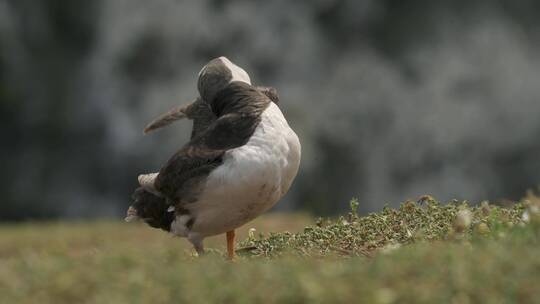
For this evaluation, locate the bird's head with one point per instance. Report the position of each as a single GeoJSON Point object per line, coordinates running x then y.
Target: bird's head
{"type": "Point", "coordinates": [217, 74]}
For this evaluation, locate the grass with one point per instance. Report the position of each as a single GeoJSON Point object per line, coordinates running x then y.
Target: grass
{"type": "Point", "coordinates": [423, 252]}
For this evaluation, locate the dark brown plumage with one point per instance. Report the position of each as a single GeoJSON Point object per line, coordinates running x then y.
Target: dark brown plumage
{"type": "Point", "coordinates": [200, 112]}
{"type": "Point", "coordinates": [226, 122]}
{"type": "Point", "coordinates": [152, 209]}
{"type": "Point", "coordinates": [238, 108]}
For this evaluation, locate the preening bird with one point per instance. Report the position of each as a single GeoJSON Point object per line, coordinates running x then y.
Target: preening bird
{"type": "Point", "coordinates": [241, 159]}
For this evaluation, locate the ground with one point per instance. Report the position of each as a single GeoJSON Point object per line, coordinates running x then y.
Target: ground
{"type": "Point", "coordinates": [423, 252]}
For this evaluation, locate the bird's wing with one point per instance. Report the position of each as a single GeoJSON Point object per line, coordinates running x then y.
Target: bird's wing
{"type": "Point", "coordinates": [181, 175]}
{"type": "Point", "coordinates": [171, 116]}
{"type": "Point", "coordinates": [238, 110]}
{"type": "Point", "coordinates": [181, 178]}
{"type": "Point", "coordinates": [199, 112]}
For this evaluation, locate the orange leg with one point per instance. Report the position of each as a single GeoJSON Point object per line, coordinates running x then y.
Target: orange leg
{"type": "Point", "coordinates": [230, 244]}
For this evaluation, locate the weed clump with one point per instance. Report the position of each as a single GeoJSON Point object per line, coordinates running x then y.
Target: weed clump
{"type": "Point", "coordinates": [426, 220]}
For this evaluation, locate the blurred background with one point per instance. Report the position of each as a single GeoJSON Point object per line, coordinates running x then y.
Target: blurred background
{"type": "Point", "coordinates": [391, 99]}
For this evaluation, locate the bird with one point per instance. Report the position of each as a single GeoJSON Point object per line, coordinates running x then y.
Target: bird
{"type": "Point", "coordinates": [241, 159]}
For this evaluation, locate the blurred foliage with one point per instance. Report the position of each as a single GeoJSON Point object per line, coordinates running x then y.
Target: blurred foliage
{"type": "Point", "coordinates": [391, 99]}
{"type": "Point", "coordinates": [419, 253]}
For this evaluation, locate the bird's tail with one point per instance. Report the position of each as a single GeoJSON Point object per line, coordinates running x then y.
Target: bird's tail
{"type": "Point", "coordinates": [152, 209]}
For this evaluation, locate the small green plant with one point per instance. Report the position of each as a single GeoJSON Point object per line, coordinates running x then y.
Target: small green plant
{"type": "Point", "coordinates": [354, 206]}
{"type": "Point", "coordinates": [425, 220]}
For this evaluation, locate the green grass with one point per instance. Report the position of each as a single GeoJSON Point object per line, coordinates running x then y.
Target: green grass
{"type": "Point", "coordinates": [423, 252]}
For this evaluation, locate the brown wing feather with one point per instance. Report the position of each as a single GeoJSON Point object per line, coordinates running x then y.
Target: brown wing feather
{"type": "Point", "coordinates": [166, 119]}
{"type": "Point", "coordinates": [180, 178]}
{"type": "Point", "coordinates": [198, 110]}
